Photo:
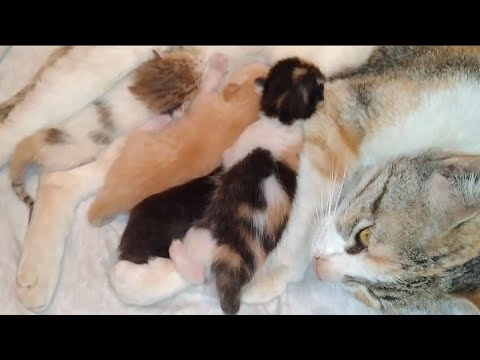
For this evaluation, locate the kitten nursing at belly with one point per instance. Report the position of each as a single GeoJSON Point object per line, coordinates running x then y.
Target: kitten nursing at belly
{"type": "Point", "coordinates": [190, 148]}
{"type": "Point", "coordinates": [160, 218]}
{"type": "Point", "coordinates": [250, 205]}
{"type": "Point", "coordinates": [156, 88]}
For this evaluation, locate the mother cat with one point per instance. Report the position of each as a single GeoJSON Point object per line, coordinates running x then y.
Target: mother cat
{"type": "Point", "coordinates": [401, 101]}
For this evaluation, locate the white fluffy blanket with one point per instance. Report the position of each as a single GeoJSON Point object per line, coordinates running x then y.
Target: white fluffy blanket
{"type": "Point", "coordinates": [84, 286]}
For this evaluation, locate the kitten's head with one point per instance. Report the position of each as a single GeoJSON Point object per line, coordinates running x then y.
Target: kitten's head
{"type": "Point", "coordinates": [292, 90]}
{"type": "Point", "coordinates": [407, 233]}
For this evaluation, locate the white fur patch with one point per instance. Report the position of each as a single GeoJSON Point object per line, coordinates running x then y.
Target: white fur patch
{"type": "Point", "coordinates": [267, 134]}
{"type": "Point", "coordinates": [447, 119]}
{"type": "Point", "coordinates": [328, 242]}
{"type": "Point", "coordinates": [146, 284]}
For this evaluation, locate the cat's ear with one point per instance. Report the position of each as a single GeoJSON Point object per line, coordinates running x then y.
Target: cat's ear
{"type": "Point", "coordinates": [259, 85]}
{"type": "Point", "coordinates": [230, 90]}
{"type": "Point", "coordinates": [455, 189]}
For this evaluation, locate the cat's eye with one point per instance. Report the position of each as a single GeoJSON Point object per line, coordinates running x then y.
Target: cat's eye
{"type": "Point", "coordinates": [362, 240]}
{"type": "Point", "coordinates": [364, 236]}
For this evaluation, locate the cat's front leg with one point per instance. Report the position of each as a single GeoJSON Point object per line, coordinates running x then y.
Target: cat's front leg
{"type": "Point", "coordinates": [52, 216]}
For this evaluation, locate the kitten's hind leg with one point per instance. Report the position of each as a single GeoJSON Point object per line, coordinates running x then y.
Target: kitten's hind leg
{"type": "Point", "coordinates": [43, 248]}
{"type": "Point", "coordinates": [146, 284]}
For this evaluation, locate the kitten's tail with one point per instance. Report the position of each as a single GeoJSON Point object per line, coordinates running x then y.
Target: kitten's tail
{"type": "Point", "coordinates": [231, 274]}
{"type": "Point", "coordinates": [23, 157]}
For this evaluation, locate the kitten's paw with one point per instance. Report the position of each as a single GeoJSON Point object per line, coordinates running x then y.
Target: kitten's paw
{"type": "Point", "coordinates": [176, 250]}
{"type": "Point", "coordinates": [188, 268]}
{"type": "Point", "coordinates": [219, 62]}
{"type": "Point", "coordinates": [265, 288]}
{"type": "Point", "coordinates": [36, 283]}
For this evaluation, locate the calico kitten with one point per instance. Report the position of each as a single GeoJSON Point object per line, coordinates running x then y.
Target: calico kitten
{"type": "Point", "coordinates": [190, 148]}
{"type": "Point", "coordinates": [406, 236]}
{"type": "Point", "coordinates": [157, 87]}
{"type": "Point", "coordinates": [255, 190]}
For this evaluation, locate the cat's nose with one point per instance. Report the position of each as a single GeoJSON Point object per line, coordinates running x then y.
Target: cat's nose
{"type": "Point", "coordinates": [318, 268]}
{"type": "Point", "coordinates": [325, 269]}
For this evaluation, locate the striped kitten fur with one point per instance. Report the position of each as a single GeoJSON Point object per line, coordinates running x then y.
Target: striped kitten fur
{"type": "Point", "coordinates": [254, 192]}
{"type": "Point", "coordinates": [158, 87]}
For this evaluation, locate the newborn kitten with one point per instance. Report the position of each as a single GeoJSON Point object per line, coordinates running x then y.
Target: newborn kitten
{"type": "Point", "coordinates": [251, 203]}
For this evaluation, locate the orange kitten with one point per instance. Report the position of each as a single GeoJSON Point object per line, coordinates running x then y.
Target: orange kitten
{"type": "Point", "coordinates": [152, 162]}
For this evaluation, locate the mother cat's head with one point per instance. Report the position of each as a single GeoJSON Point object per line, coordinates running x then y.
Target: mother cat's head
{"type": "Point", "coordinates": [406, 234]}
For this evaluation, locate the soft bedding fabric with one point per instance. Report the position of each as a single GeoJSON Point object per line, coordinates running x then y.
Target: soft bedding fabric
{"type": "Point", "coordinates": [84, 286]}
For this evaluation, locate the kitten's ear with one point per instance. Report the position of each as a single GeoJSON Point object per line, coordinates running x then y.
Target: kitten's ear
{"type": "Point", "coordinates": [455, 189]}
{"type": "Point", "coordinates": [230, 90]}
{"type": "Point", "coordinates": [259, 85]}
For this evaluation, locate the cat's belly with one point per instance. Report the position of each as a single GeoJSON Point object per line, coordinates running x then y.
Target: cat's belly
{"type": "Point", "coordinates": [448, 119]}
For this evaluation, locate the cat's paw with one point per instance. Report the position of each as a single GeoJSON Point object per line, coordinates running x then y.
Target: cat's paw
{"type": "Point", "coordinates": [188, 268]}
{"type": "Point", "coordinates": [36, 283]}
{"type": "Point", "coordinates": [265, 288]}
